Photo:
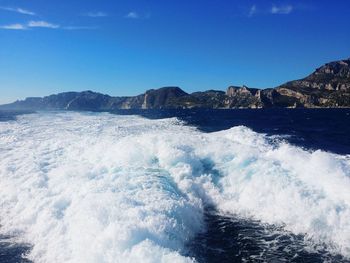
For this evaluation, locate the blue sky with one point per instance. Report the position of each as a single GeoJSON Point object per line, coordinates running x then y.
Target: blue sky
{"type": "Point", "coordinates": [127, 47]}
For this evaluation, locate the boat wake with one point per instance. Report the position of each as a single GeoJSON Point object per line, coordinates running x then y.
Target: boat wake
{"type": "Point", "coordinates": [96, 187]}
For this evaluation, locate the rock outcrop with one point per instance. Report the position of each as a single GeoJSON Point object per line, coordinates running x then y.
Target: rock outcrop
{"type": "Point", "coordinates": [243, 97]}
{"type": "Point", "coordinates": [328, 86]}
{"type": "Point", "coordinates": [166, 97]}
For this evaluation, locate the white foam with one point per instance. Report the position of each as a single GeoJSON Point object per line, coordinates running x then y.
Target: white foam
{"type": "Point", "coordinates": [305, 191]}
{"type": "Point", "coordinates": [84, 187]}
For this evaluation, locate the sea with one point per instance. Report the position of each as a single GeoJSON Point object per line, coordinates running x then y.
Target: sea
{"type": "Point", "coordinates": [196, 185]}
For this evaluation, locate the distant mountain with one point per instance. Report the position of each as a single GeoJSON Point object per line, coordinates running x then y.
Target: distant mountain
{"type": "Point", "coordinates": [328, 86]}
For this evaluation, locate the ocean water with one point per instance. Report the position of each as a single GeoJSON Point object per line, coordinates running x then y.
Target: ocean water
{"type": "Point", "coordinates": [175, 186]}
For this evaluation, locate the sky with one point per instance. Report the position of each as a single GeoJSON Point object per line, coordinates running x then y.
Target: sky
{"type": "Point", "coordinates": [126, 47]}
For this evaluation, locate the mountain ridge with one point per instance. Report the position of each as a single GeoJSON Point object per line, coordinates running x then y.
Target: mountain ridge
{"type": "Point", "coordinates": [328, 86]}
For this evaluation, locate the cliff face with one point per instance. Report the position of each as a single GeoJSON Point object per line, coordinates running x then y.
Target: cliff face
{"type": "Point", "coordinates": [328, 86]}
{"type": "Point", "coordinates": [166, 97]}
{"type": "Point", "coordinates": [243, 97]}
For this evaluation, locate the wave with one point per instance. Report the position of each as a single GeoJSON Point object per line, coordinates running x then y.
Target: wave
{"type": "Point", "coordinates": [96, 187]}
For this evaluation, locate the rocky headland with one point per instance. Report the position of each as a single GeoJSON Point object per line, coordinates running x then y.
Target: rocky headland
{"type": "Point", "coordinates": [328, 87]}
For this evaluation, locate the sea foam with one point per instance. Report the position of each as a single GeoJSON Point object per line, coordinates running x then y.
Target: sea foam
{"type": "Point", "coordinates": [96, 187]}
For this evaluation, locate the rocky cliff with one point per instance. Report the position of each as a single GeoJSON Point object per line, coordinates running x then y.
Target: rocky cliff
{"type": "Point", "coordinates": [167, 97]}
{"type": "Point", "coordinates": [328, 86]}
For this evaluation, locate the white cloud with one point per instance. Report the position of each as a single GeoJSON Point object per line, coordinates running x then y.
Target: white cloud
{"type": "Point", "coordinates": [133, 15]}
{"type": "Point", "coordinates": [281, 10]}
{"type": "Point", "coordinates": [18, 10]}
{"type": "Point", "coordinates": [96, 14]}
{"type": "Point", "coordinates": [43, 24]}
{"type": "Point", "coordinates": [253, 10]}
{"type": "Point", "coordinates": [14, 27]}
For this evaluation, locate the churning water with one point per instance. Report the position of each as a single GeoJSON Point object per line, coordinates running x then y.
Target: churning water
{"type": "Point", "coordinates": [98, 187]}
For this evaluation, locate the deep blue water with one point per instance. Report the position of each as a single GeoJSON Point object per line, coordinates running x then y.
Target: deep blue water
{"type": "Point", "coordinates": [11, 252]}
{"type": "Point", "coordinates": [326, 129]}
{"type": "Point", "coordinates": [7, 115]}
{"type": "Point", "coordinates": [233, 239]}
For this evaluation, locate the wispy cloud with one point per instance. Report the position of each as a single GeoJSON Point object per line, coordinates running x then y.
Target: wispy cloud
{"type": "Point", "coordinates": [80, 27]}
{"type": "Point", "coordinates": [96, 14]}
{"type": "Point", "coordinates": [31, 24]}
{"type": "Point", "coordinates": [132, 15]}
{"type": "Point", "coordinates": [14, 27]}
{"type": "Point", "coordinates": [282, 10]}
{"type": "Point", "coordinates": [136, 15]}
{"type": "Point", "coordinates": [42, 24]}
{"type": "Point", "coordinates": [18, 10]}
{"type": "Point", "coordinates": [252, 11]}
